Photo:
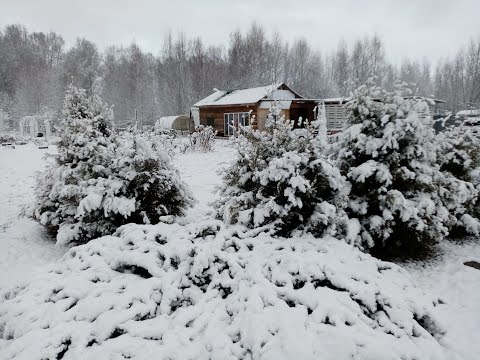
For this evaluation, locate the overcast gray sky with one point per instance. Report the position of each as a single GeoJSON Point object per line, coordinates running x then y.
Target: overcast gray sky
{"type": "Point", "coordinates": [409, 28]}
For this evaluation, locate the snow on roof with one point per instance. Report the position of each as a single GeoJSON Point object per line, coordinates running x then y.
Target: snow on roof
{"type": "Point", "coordinates": [338, 100]}
{"type": "Point", "coordinates": [166, 122]}
{"type": "Point", "coordinates": [237, 97]}
{"type": "Point", "coordinates": [282, 104]}
{"type": "Point", "coordinates": [342, 100]}
{"type": "Point", "coordinates": [211, 98]}
{"type": "Point", "coordinates": [474, 112]}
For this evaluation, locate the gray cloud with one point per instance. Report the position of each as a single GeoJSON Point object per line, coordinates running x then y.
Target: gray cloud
{"type": "Point", "coordinates": [415, 29]}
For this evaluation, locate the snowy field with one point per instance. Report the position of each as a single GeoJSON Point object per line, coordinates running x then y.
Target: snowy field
{"type": "Point", "coordinates": [24, 244]}
{"type": "Point", "coordinates": [25, 248]}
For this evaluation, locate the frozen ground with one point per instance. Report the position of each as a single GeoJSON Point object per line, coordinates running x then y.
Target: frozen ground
{"type": "Point", "coordinates": [24, 247]}
{"type": "Point", "coordinates": [459, 287]}
{"type": "Point", "coordinates": [199, 171]}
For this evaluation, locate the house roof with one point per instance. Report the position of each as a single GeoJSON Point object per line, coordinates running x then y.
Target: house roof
{"type": "Point", "coordinates": [340, 100]}
{"type": "Point", "coordinates": [471, 112]}
{"type": "Point", "coordinates": [247, 96]}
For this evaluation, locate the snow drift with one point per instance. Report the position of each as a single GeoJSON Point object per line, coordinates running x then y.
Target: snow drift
{"type": "Point", "coordinates": [204, 291]}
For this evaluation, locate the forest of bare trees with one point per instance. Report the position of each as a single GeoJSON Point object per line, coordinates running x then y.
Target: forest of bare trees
{"type": "Point", "coordinates": [36, 67]}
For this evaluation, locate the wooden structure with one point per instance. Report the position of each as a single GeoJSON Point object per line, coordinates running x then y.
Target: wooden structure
{"type": "Point", "coordinates": [34, 126]}
{"type": "Point", "coordinates": [337, 116]}
{"type": "Point", "coordinates": [230, 110]}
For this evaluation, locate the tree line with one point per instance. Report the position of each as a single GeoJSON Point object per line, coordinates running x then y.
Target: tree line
{"type": "Point", "coordinates": [36, 68]}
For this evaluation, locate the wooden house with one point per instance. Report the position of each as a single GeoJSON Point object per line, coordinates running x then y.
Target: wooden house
{"type": "Point", "coordinates": [228, 110]}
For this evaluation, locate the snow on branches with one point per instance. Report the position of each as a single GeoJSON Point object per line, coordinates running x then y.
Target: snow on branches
{"type": "Point", "coordinates": [281, 178]}
{"type": "Point", "coordinates": [389, 155]}
{"type": "Point", "coordinates": [459, 155]}
{"type": "Point", "coordinates": [99, 180]}
{"type": "Point", "coordinates": [213, 291]}
{"type": "Point", "coordinates": [202, 139]}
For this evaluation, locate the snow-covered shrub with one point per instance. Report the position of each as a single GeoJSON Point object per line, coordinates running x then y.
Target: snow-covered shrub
{"type": "Point", "coordinates": [82, 143]}
{"type": "Point", "coordinates": [459, 155]}
{"type": "Point", "coordinates": [202, 138]}
{"type": "Point", "coordinates": [150, 179]}
{"type": "Point", "coordinates": [13, 138]}
{"type": "Point", "coordinates": [282, 178]}
{"type": "Point", "coordinates": [99, 181]}
{"type": "Point", "coordinates": [169, 133]}
{"type": "Point", "coordinates": [398, 192]}
{"type": "Point", "coordinates": [163, 141]}
{"type": "Point", "coordinates": [212, 291]}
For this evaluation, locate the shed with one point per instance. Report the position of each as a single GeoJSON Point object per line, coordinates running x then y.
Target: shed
{"type": "Point", "coordinates": [337, 114]}
{"type": "Point", "coordinates": [177, 122]}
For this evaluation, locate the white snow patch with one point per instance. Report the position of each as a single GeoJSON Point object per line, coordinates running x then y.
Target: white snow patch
{"type": "Point", "coordinates": [24, 245]}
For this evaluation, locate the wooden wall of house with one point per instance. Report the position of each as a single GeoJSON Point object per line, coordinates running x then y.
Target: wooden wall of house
{"type": "Point", "coordinates": [262, 117]}
{"type": "Point", "coordinates": [215, 114]}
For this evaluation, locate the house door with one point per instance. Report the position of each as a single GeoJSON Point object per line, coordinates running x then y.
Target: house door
{"type": "Point", "coordinates": [230, 125]}
{"type": "Point", "coordinates": [234, 123]}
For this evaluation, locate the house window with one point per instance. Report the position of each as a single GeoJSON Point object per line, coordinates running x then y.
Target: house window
{"type": "Point", "coordinates": [233, 122]}
{"type": "Point", "coordinates": [210, 121]}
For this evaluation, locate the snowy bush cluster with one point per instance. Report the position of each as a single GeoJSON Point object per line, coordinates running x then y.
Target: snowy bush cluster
{"type": "Point", "coordinates": [212, 291]}
{"type": "Point", "coordinates": [400, 195]}
{"type": "Point", "coordinates": [390, 185]}
{"type": "Point", "coordinates": [12, 138]}
{"type": "Point", "coordinates": [276, 276]}
{"type": "Point", "coordinates": [99, 180]}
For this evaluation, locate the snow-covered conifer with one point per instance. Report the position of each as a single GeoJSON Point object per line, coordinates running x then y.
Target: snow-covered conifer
{"type": "Point", "coordinates": [459, 155]}
{"type": "Point", "coordinates": [281, 177]}
{"type": "Point", "coordinates": [82, 144]}
{"type": "Point", "coordinates": [99, 181]}
{"type": "Point", "coordinates": [398, 192]}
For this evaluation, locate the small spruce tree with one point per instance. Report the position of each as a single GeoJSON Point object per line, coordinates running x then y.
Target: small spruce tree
{"type": "Point", "coordinates": [99, 180]}
{"type": "Point", "coordinates": [282, 179]}
{"type": "Point", "coordinates": [459, 155]}
{"type": "Point", "coordinates": [398, 192]}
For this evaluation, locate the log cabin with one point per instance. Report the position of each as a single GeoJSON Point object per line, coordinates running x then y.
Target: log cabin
{"type": "Point", "coordinates": [228, 110]}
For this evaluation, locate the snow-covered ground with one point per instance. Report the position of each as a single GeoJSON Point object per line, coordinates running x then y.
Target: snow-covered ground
{"type": "Point", "coordinates": [459, 287]}
{"type": "Point", "coordinates": [24, 246]}
{"type": "Point", "coordinates": [199, 171]}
